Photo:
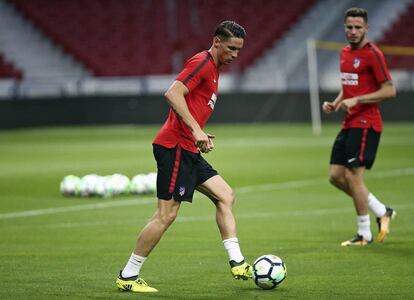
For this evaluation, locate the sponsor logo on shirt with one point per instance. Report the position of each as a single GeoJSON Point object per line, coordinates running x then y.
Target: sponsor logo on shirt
{"type": "Point", "coordinates": [349, 78]}
{"type": "Point", "coordinates": [212, 101]}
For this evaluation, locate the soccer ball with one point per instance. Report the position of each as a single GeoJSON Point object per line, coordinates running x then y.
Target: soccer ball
{"type": "Point", "coordinates": [269, 271]}
{"type": "Point", "coordinates": [103, 187]}
{"type": "Point", "coordinates": [151, 182]}
{"type": "Point", "coordinates": [119, 184]}
{"type": "Point", "coordinates": [87, 185]}
{"type": "Point", "coordinates": [69, 186]}
{"type": "Point", "coordinates": [138, 184]}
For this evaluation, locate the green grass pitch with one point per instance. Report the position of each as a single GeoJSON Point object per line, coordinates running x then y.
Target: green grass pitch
{"type": "Point", "coordinates": [54, 247]}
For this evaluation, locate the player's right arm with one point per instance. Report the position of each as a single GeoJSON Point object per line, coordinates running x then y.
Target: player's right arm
{"type": "Point", "coordinates": [175, 97]}
{"type": "Point", "coordinates": [329, 107]}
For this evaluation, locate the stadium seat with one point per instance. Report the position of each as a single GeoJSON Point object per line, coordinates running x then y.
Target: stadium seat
{"type": "Point", "coordinates": [8, 70]}
{"type": "Point", "coordinates": [134, 38]}
{"type": "Point", "coordinates": [394, 37]}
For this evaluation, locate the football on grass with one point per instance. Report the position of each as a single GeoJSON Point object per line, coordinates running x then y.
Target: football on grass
{"type": "Point", "coordinates": [269, 271]}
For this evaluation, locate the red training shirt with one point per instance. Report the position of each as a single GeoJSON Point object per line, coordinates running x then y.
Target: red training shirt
{"type": "Point", "coordinates": [200, 75]}
{"type": "Point", "coordinates": [362, 72]}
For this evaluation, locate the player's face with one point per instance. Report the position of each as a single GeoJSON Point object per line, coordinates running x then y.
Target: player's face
{"type": "Point", "coordinates": [228, 50]}
{"type": "Point", "coordinates": [355, 30]}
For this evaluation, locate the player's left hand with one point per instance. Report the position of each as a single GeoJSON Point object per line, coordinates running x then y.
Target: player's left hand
{"type": "Point", "coordinates": [347, 104]}
{"type": "Point", "coordinates": [204, 142]}
{"type": "Point", "coordinates": [210, 144]}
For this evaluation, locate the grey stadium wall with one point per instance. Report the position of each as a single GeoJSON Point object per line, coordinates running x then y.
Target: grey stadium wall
{"type": "Point", "coordinates": [230, 108]}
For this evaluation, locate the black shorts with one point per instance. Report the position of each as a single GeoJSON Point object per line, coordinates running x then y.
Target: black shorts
{"type": "Point", "coordinates": [355, 147]}
{"type": "Point", "coordinates": [180, 172]}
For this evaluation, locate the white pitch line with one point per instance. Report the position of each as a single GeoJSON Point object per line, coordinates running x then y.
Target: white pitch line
{"type": "Point", "coordinates": [151, 200]}
{"type": "Point", "coordinates": [209, 218]}
{"type": "Point", "coordinates": [185, 219]}
{"type": "Point", "coordinates": [289, 213]}
{"type": "Point", "coordinates": [256, 215]}
{"type": "Point", "coordinates": [54, 210]}
{"type": "Point", "coordinates": [315, 181]}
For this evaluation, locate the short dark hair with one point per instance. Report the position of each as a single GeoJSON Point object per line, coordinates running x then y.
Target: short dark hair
{"type": "Point", "coordinates": [356, 12]}
{"type": "Point", "coordinates": [229, 29]}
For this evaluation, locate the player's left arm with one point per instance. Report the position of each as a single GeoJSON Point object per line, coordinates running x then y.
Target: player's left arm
{"type": "Point", "coordinates": [386, 91]}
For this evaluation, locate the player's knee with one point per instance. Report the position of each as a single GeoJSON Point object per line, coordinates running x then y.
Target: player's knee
{"type": "Point", "coordinates": [350, 178]}
{"type": "Point", "coordinates": [226, 200]}
{"type": "Point", "coordinates": [336, 179]}
{"type": "Point", "coordinates": [230, 198]}
{"type": "Point", "coordinates": [166, 218]}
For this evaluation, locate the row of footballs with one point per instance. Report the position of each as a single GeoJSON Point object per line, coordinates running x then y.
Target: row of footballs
{"type": "Point", "coordinates": [107, 186]}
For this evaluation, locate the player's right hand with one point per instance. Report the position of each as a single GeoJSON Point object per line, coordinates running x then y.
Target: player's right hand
{"type": "Point", "coordinates": [203, 141]}
{"type": "Point", "coordinates": [328, 107]}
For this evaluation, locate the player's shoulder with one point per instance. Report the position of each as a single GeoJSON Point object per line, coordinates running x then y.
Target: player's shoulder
{"type": "Point", "coordinates": [372, 48]}
{"type": "Point", "coordinates": [199, 63]}
{"type": "Point", "coordinates": [345, 49]}
{"type": "Point", "coordinates": [199, 57]}
{"type": "Point", "coordinates": [369, 47]}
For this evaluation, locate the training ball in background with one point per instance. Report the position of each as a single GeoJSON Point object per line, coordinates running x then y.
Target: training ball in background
{"type": "Point", "coordinates": [119, 184]}
{"type": "Point", "coordinates": [269, 271]}
{"type": "Point", "coordinates": [102, 187]}
{"type": "Point", "coordinates": [108, 186]}
{"type": "Point", "coordinates": [151, 182]}
{"type": "Point", "coordinates": [138, 184]}
{"type": "Point", "coordinates": [143, 183]}
{"type": "Point", "coordinates": [69, 185]}
{"type": "Point", "coordinates": [87, 185]}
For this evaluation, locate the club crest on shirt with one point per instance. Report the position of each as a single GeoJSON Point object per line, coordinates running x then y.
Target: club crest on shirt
{"type": "Point", "coordinates": [181, 191]}
{"type": "Point", "coordinates": [357, 62]}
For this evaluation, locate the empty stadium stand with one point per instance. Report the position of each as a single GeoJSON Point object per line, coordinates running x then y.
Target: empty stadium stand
{"type": "Point", "coordinates": [8, 70]}
{"type": "Point", "coordinates": [76, 47]}
{"type": "Point", "coordinates": [400, 33]}
{"type": "Point", "coordinates": [134, 38]}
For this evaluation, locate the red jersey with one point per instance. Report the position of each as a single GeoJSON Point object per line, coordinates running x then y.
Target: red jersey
{"type": "Point", "coordinates": [200, 75]}
{"type": "Point", "coordinates": [362, 72]}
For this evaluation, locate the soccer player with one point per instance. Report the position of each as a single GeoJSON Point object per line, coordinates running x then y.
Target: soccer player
{"type": "Point", "coordinates": [181, 168]}
{"type": "Point", "coordinates": [365, 83]}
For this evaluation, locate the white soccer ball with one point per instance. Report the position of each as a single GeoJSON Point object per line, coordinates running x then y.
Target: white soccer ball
{"type": "Point", "coordinates": [69, 186]}
{"type": "Point", "coordinates": [108, 189]}
{"type": "Point", "coordinates": [269, 271]}
{"type": "Point", "coordinates": [87, 185]}
{"type": "Point", "coordinates": [119, 184]}
{"type": "Point", "coordinates": [138, 184]}
{"type": "Point", "coordinates": [103, 187]}
{"type": "Point", "coordinates": [150, 182]}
